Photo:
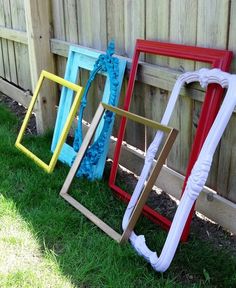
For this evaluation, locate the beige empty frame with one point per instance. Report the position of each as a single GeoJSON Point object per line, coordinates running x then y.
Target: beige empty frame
{"type": "Point", "coordinates": [78, 89]}
{"type": "Point", "coordinates": [171, 132]}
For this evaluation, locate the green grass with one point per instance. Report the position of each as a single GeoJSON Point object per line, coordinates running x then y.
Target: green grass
{"type": "Point", "coordinates": [44, 242]}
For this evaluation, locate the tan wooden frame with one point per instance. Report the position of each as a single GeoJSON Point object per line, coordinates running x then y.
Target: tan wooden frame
{"type": "Point", "coordinates": [172, 133]}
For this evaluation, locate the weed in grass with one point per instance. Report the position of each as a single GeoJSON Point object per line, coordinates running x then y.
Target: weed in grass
{"type": "Point", "coordinates": [45, 242]}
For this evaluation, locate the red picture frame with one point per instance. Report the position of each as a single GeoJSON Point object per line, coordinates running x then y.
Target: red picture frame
{"type": "Point", "coordinates": [213, 97]}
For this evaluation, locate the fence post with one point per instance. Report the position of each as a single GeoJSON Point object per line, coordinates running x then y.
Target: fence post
{"type": "Point", "coordinates": [38, 24]}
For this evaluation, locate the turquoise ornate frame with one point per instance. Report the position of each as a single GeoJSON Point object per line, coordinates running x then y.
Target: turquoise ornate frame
{"type": "Point", "coordinates": [112, 67]}
{"type": "Point", "coordinates": [109, 64]}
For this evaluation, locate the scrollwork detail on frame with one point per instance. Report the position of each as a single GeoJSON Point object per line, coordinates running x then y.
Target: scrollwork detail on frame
{"type": "Point", "coordinates": [105, 63]}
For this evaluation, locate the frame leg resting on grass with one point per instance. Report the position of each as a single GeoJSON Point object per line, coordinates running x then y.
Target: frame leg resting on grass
{"type": "Point", "coordinates": [199, 173]}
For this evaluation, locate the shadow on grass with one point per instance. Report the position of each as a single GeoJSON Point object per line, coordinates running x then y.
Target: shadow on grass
{"type": "Point", "coordinates": [84, 253]}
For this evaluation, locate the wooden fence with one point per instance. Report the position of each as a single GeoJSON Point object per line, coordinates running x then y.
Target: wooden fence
{"type": "Point", "coordinates": [36, 35]}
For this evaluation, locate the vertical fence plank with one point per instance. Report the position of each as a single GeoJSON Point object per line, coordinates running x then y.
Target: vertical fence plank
{"type": "Point", "coordinates": [226, 184]}
{"type": "Point", "coordinates": [38, 19]}
{"type": "Point", "coordinates": [59, 31]}
{"type": "Point", "coordinates": [155, 103]}
{"type": "Point", "coordinates": [212, 31]}
{"type": "Point", "coordinates": [21, 50]}
{"type": "Point", "coordinates": [92, 23]}
{"type": "Point", "coordinates": [115, 30]}
{"type": "Point", "coordinates": [212, 23]}
{"type": "Point", "coordinates": [71, 25]}
{"type": "Point", "coordinates": [2, 70]}
{"type": "Point", "coordinates": [232, 34]}
{"type": "Point", "coordinates": [5, 55]}
{"type": "Point", "coordinates": [157, 28]}
{"type": "Point", "coordinates": [227, 162]}
{"type": "Point", "coordinates": [134, 24]}
{"type": "Point", "coordinates": [182, 30]}
{"type": "Point", "coordinates": [231, 194]}
{"type": "Point", "coordinates": [10, 44]}
{"type": "Point", "coordinates": [135, 28]}
{"type": "Point", "coordinates": [115, 24]}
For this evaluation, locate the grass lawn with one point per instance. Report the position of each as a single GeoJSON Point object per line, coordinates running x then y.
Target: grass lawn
{"type": "Point", "coordinates": [44, 242]}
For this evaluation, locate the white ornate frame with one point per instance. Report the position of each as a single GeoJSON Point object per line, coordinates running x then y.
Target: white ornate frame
{"type": "Point", "coordinates": [199, 172]}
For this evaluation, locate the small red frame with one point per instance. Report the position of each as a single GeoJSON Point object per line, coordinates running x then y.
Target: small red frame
{"type": "Point", "coordinates": [218, 59]}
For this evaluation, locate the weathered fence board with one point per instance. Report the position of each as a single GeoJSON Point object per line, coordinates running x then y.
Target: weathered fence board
{"type": "Point", "coordinates": [4, 45]}
{"type": "Point", "coordinates": [115, 24]}
{"type": "Point", "coordinates": [182, 30]}
{"type": "Point", "coordinates": [157, 26]}
{"type": "Point", "coordinates": [212, 23]}
{"type": "Point", "coordinates": [134, 28]}
{"type": "Point", "coordinates": [38, 19]}
{"type": "Point", "coordinates": [92, 23]}
{"type": "Point", "coordinates": [232, 34]}
{"type": "Point", "coordinates": [21, 50]}
{"type": "Point", "coordinates": [2, 68]}
{"type": "Point", "coordinates": [10, 44]}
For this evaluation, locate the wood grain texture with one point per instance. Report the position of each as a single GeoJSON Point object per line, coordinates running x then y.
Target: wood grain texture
{"type": "Point", "coordinates": [21, 50]}
{"type": "Point", "coordinates": [157, 26]}
{"type": "Point", "coordinates": [5, 54]}
{"type": "Point", "coordinates": [38, 19]}
{"type": "Point", "coordinates": [183, 23]}
{"type": "Point", "coordinates": [232, 35]}
{"type": "Point", "coordinates": [212, 31]}
{"type": "Point", "coordinates": [115, 24]}
{"type": "Point", "coordinates": [71, 24]}
{"type": "Point", "coordinates": [58, 18]}
{"type": "Point", "coordinates": [183, 31]}
{"type": "Point", "coordinates": [14, 35]}
{"type": "Point", "coordinates": [15, 93]}
{"type": "Point", "coordinates": [92, 23]}
{"type": "Point", "coordinates": [10, 44]}
{"type": "Point", "coordinates": [135, 28]}
{"type": "Point", "coordinates": [134, 24]}
{"type": "Point", "coordinates": [2, 68]}
{"type": "Point", "coordinates": [212, 24]}
{"type": "Point", "coordinates": [227, 161]}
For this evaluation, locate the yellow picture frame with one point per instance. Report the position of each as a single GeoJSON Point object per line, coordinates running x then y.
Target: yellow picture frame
{"type": "Point", "coordinates": [78, 89]}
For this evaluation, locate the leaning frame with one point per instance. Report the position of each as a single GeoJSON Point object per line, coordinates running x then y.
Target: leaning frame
{"type": "Point", "coordinates": [44, 74]}
{"type": "Point", "coordinates": [171, 136]}
{"type": "Point", "coordinates": [218, 59]}
{"type": "Point", "coordinates": [198, 174]}
{"type": "Point", "coordinates": [83, 58]}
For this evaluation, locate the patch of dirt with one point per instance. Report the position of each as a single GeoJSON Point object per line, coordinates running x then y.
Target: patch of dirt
{"type": "Point", "coordinates": [205, 229]}
{"type": "Point", "coordinates": [20, 112]}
